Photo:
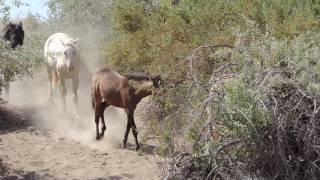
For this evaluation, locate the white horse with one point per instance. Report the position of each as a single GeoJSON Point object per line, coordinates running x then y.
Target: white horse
{"type": "Point", "coordinates": [63, 61]}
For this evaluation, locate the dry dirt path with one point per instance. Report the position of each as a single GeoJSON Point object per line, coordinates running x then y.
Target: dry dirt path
{"type": "Point", "coordinates": [37, 141]}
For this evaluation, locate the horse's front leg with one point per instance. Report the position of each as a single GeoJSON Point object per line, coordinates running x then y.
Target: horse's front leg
{"type": "Point", "coordinates": [75, 84]}
{"type": "Point", "coordinates": [135, 133]}
{"type": "Point", "coordinates": [63, 92]}
{"type": "Point", "coordinates": [50, 77]}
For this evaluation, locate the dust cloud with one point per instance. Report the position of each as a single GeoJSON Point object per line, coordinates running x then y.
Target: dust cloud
{"type": "Point", "coordinates": [63, 145]}
{"type": "Point", "coordinates": [32, 94]}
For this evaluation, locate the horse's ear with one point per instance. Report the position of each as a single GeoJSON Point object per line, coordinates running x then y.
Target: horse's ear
{"type": "Point", "coordinates": [156, 80]}
{"type": "Point", "coordinates": [159, 80]}
{"type": "Point", "coordinates": [75, 41]}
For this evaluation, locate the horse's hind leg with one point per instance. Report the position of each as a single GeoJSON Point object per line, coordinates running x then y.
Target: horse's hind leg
{"type": "Point", "coordinates": [129, 125]}
{"type": "Point", "coordinates": [63, 92]}
{"type": "Point", "coordinates": [97, 114]}
{"type": "Point", "coordinates": [104, 105]}
{"type": "Point", "coordinates": [96, 119]}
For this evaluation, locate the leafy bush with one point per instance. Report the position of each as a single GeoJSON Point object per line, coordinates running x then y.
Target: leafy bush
{"type": "Point", "coordinates": [20, 62]}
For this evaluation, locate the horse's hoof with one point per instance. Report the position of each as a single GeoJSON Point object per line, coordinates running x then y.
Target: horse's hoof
{"type": "Point", "coordinates": [137, 147]}
{"type": "Point", "coordinates": [98, 138]}
{"type": "Point", "coordinates": [101, 135]}
{"type": "Point", "coordinates": [124, 146]}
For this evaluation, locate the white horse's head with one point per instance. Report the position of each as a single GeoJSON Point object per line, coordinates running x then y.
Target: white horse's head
{"type": "Point", "coordinates": [72, 56]}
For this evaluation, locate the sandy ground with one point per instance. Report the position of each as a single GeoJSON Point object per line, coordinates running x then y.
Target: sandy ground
{"type": "Point", "coordinates": [39, 141]}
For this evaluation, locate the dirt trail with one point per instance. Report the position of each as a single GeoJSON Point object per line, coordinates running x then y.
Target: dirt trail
{"type": "Point", "coordinates": [38, 141]}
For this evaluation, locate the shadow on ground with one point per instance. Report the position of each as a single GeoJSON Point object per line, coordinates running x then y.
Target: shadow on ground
{"type": "Point", "coordinates": [8, 174]}
{"type": "Point", "coordinates": [13, 120]}
{"type": "Point", "coordinates": [144, 148]}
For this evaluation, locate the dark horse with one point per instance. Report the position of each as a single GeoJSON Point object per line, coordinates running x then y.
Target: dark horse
{"type": "Point", "coordinates": [111, 88]}
{"type": "Point", "coordinates": [14, 34]}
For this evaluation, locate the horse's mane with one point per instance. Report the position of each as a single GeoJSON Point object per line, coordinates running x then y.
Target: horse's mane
{"type": "Point", "coordinates": [135, 76]}
{"type": "Point", "coordinates": [138, 76]}
{"type": "Point", "coordinates": [6, 28]}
